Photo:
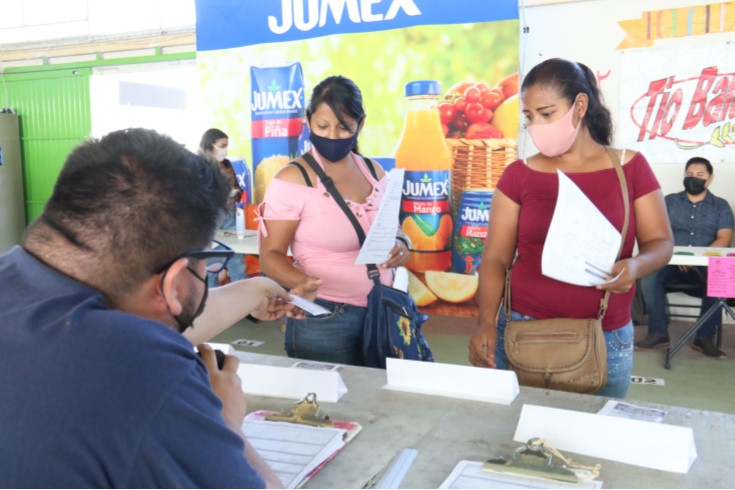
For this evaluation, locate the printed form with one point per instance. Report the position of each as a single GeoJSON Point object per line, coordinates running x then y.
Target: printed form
{"type": "Point", "coordinates": [582, 245]}
{"type": "Point", "coordinates": [293, 451]}
{"type": "Point", "coordinates": [382, 235]}
{"type": "Point", "coordinates": [470, 474]}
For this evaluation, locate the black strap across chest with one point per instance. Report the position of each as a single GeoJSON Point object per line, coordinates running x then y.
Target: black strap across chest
{"type": "Point", "coordinates": [373, 272]}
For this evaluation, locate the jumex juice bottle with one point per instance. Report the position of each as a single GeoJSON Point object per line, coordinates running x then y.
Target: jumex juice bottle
{"type": "Point", "coordinates": [424, 153]}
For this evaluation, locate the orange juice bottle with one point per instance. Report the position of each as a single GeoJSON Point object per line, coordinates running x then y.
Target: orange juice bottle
{"type": "Point", "coordinates": [424, 153]}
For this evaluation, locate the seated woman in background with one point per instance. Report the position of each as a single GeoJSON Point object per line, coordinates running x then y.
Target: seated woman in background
{"type": "Point", "coordinates": [297, 212]}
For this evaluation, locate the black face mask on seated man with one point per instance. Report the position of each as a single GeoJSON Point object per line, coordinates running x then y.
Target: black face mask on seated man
{"type": "Point", "coordinates": [694, 186]}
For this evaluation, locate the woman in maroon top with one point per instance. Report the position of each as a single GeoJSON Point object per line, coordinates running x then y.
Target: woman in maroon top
{"type": "Point", "coordinates": [572, 129]}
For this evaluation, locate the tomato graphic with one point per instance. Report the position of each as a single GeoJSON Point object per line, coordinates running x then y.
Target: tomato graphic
{"type": "Point", "coordinates": [492, 99]}
{"type": "Point", "coordinates": [447, 112]}
{"type": "Point", "coordinates": [472, 94]}
{"type": "Point", "coordinates": [475, 113]}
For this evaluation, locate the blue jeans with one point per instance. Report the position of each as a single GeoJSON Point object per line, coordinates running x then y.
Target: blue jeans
{"type": "Point", "coordinates": [336, 337]}
{"type": "Point", "coordinates": [654, 294]}
{"type": "Point", "coordinates": [619, 344]}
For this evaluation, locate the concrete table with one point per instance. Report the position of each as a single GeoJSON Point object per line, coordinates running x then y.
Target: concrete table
{"type": "Point", "coordinates": [447, 430]}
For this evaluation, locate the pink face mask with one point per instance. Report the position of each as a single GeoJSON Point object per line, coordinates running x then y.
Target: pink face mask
{"type": "Point", "coordinates": [555, 138]}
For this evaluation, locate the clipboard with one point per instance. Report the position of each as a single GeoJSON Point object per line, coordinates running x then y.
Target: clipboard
{"type": "Point", "coordinates": [268, 430]}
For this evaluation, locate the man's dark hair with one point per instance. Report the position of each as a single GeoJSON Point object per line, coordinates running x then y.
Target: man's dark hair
{"type": "Point", "coordinates": [701, 161]}
{"type": "Point", "coordinates": [125, 205]}
{"type": "Point", "coordinates": [570, 79]}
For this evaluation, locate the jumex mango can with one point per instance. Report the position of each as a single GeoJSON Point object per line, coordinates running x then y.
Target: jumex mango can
{"type": "Point", "coordinates": [470, 230]}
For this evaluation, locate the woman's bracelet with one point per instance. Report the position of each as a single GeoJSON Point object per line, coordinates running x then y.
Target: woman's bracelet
{"type": "Point", "coordinates": [400, 235]}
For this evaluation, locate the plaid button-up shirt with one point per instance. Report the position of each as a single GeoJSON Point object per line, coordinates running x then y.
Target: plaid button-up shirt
{"type": "Point", "coordinates": [696, 224]}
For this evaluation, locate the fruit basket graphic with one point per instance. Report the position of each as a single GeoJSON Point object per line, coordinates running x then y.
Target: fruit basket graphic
{"type": "Point", "coordinates": [478, 163]}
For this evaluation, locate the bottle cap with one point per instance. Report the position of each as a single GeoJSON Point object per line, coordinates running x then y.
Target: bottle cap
{"type": "Point", "coordinates": [423, 87]}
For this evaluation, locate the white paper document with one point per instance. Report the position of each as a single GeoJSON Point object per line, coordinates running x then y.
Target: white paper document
{"type": "Point", "coordinates": [382, 235]}
{"type": "Point", "coordinates": [636, 442]}
{"type": "Point", "coordinates": [469, 474]}
{"type": "Point", "coordinates": [467, 382]}
{"type": "Point", "coordinates": [293, 451]}
{"type": "Point", "coordinates": [582, 245]}
{"type": "Point", "coordinates": [287, 382]}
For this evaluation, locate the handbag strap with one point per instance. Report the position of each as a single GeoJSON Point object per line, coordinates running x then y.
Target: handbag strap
{"type": "Point", "coordinates": [373, 272]}
{"type": "Point", "coordinates": [618, 166]}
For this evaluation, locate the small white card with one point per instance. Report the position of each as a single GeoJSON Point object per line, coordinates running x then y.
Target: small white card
{"type": "Point", "coordinates": [646, 380]}
{"type": "Point", "coordinates": [617, 408]}
{"type": "Point", "coordinates": [647, 444]}
{"type": "Point", "coordinates": [226, 348]}
{"type": "Point", "coordinates": [248, 342]}
{"type": "Point", "coordinates": [434, 378]}
{"type": "Point", "coordinates": [317, 366]}
{"type": "Point", "coordinates": [286, 382]}
{"type": "Point", "coordinates": [308, 306]}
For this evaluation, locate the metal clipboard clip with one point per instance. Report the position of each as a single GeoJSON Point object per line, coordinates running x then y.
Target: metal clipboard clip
{"type": "Point", "coordinates": [537, 459]}
{"type": "Point", "coordinates": [305, 412]}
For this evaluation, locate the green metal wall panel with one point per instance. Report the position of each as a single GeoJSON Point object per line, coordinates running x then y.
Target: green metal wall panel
{"type": "Point", "coordinates": [55, 115]}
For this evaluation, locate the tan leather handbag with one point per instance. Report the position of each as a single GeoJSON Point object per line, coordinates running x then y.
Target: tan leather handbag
{"type": "Point", "coordinates": [567, 354]}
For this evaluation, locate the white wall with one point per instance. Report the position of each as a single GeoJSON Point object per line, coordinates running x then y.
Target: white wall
{"type": "Point", "coordinates": [35, 21]}
{"type": "Point", "coordinates": [179, 116]}
{"type": "Point", "coordinates": [588, 32]}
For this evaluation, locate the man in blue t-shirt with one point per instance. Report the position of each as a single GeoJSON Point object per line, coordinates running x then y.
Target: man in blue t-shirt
{"type": "Point", "coordinates": [698, 219]}
{"type": "Point", "coordinates": [99, 386]}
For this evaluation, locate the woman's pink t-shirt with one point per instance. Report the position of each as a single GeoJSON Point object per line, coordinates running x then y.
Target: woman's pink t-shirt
{"type": "Point", "coordinates": [325, 244]}
{"type": "Point", "coordinates": [540, 297]}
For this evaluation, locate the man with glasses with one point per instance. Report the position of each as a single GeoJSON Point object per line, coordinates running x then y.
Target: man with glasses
{"type": "Point", "coordinates": [99, 387]}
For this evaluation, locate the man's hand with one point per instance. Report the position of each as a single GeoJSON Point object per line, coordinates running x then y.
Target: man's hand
{"type": "Point", "coordinates": [275, 300]}
{"type": "Point", "coordinates": [227, 386]}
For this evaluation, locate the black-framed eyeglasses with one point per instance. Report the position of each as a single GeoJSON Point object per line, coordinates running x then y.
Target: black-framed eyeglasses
{"type": "Point", "coordinates": [217, 258]}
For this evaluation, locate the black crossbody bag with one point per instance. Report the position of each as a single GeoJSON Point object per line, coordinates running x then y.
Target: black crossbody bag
{"type": "Point", "coordinates": [393, 322]}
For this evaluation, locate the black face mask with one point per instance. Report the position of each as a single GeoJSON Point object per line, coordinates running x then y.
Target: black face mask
{"type": "Point", "coordinates": [694, 186]}
{"type": "Point", "coordinates": [186, 319]}
{"type": "Point", "coordinates": [333, 150]}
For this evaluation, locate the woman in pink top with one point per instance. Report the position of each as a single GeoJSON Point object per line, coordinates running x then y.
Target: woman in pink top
{"type": "Point", "coordinates": [572, 129]}
{"type": "Point", "coordinates": [298, 212]}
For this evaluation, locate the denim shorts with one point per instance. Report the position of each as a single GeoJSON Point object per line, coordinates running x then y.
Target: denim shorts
{"type": "Point", "coordinates": [619, 344]}
{"type": "Point", "coordinates": [334, 337]}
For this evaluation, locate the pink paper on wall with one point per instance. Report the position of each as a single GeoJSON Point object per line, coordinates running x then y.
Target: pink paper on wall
{"type": "Point", "coordinates": [721, 277]}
